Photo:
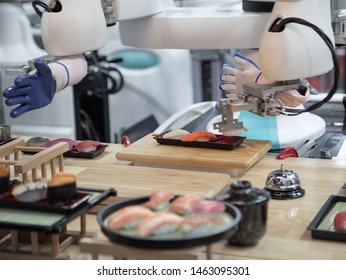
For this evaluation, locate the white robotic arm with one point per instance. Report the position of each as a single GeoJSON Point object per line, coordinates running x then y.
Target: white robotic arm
{"type": "Point", "coordinates": [71, 27]}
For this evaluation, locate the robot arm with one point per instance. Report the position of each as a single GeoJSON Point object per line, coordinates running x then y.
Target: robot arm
{"type": "Point", "coordinates": [296, 44]}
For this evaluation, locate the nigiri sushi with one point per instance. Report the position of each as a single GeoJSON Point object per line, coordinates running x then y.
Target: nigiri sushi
{"type": "Point", "coordinates": [185, 203]}
{"type": "Point", "coordinates": [159, 200]}
{"type": "Point", "coordinates": [31, 191]}
{"type": "Point", "coordinates": [203, 136]}
{"type": "Point", "coordinates": [128, 217]}
{"type": "Point", "coordinates": [209, 206]}
{"type": "Point", "coordinates": [160, 223]}
{"type": "Point", "coordinates": [200, 224]}
{"type": "Point", "coordinates": [71, 143]}
{"type": "Point", "coordinates": [175, 134]}
{"type": "Point", "coordinates": [87, 146]}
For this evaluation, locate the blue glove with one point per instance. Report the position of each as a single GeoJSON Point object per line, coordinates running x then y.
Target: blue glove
{"type": "Point", "coordinates": [234, 78]}
{"type": "Point", "coordinates": [31, 91]}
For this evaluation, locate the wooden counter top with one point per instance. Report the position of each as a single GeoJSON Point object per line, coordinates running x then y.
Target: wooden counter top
{"type": "Point", "coordinates": [287, 236]}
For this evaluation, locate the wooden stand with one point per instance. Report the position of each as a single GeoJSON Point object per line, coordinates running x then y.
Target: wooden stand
{"type": "Point", "coordinates": [34, 245]}
{"type": "Point", "coordinates": [97, 247]}
{"type": "Point", "coordinates": [42, 157]}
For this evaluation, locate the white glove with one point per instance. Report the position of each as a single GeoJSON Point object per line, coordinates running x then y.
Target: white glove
{"type": "Point", "coordinates": [234, 79]}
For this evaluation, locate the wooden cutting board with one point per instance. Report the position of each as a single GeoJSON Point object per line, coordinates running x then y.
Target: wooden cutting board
{"type": "Point", "coordinates": [133, 181]}
{"type": "Point", "coordinates": [147, 152]}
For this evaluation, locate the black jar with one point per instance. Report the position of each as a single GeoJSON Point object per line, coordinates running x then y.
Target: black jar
{"type": "Point", "coordinates": [4, 179]}
{"type": "Point", "coordinates": [253, 204]}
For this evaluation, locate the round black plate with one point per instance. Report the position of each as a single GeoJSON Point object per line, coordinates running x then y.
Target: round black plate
{"type": "Point", "coordinates": [161, 242]}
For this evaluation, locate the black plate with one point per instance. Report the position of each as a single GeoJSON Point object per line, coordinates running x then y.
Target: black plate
{"type": "Point", "coordinates": [6, 141]}
{"type": "Point", "coordinates": [221, 142]}
{"type": "Point", "coordinates": [74, 153]}
{"type": "Point", "coordinates": [7, 200]}
{"type": "Point", "coordinates": [322, 225]}
{"type": "Point", "coordinates": [165, 241]}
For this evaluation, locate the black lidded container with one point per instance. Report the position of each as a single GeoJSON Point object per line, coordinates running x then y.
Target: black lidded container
{"type": "Point", "coordinates": [4, 179]}
{"type": "Point", "coordinates": [253, 204]}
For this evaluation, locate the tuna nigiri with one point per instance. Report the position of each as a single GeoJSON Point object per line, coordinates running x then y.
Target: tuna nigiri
{"type": "Point", "coordinates": [128, 217]}
{"type": "Point", "coordinates": [203, 136]}
{"type": "Point", "coordinates": [87, 146]}
{"type": "Point", "coordinates": [185, 203]}
{"type": "Point", "coordinates": [71, 143]}
{"type": "Point", "coordinates": [160, 223]}
{"type": "Point", "coordinates": [159, 200]}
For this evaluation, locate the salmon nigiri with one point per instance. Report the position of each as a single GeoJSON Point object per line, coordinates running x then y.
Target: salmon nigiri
{"type": "Point", "coordinates": [159, 200]}
{"type": "Point", "coordinates": [160, 223]}
{"type": "Point", "coordinates": [200, 224]}
{"type": "Point", "coordinates": [203, 136]}
{"type": "Point", "coordinates": [128, 217]}
{"type": "Point", "coordinates": [184, 204]}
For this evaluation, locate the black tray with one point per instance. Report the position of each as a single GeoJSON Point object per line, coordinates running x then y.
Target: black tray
{"type": "Point", "coordinates": [322, 225]}
{"type": "Point", "coordinates": [221, 142]}
{"type": "Point", "coordinates": [74, 153]}
{"type": "Point", "coordinates": [49, 222]}
{"type": "Point", "coordinates": [8, 200]}
{"type": "Point", "coordinates": [6, 141]}
{"type": "Point", "coordinates": [165, 241]}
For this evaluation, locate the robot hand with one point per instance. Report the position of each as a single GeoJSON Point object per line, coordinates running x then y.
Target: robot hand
{"type": "Point", "coordinates": [31, 91]}
{"type": "Point", "coordinates": [234, 79]}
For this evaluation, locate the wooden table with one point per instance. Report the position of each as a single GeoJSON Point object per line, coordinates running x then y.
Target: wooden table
{"type": "Point", "coordinates": [287, 236]}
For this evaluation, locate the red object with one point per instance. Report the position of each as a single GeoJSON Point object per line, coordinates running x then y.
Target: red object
{"type": "Point", "coordinates": [340, 221]}
{"type": "Point", "coordinates": [125, 140]}
{"type": "Point", "coordinates": [288, 152]}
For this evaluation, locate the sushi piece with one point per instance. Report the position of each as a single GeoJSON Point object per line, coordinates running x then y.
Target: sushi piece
{"type": "Point", "coordinates": [87, 146]}
{"type": "Point", "coordinates": [4, 179]}
{"type": "Point", "coordinates": [160, 223]}
{"type": "Point", "coordinates": [185, 203]}
{"type": "Point", "coordinates": [209, 206]}
{"type": "Point", "coordinates": [199, 225]}
{"type": "Point", "coordinates": [203, 136]}
{"type": "Point", "coordinates": [71, 143]}
{"type": "Point", "coordinates": [340, 221]}
{"type": "Point", "coordinates": [159, 200]}
{"type": "Point", "coordinates": [175, 134]}
{"type": "Point", "coordinates": [128, 217]}
{"type": "Point", "coordinates": [62, 188]}
{"type": "Point", "coordinates": [31, 191]}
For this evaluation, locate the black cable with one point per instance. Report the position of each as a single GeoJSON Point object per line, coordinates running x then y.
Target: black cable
{"type": "Point", "coordinates": [42, 5]}
{"type": "Point", "coordinates": [279, 26]}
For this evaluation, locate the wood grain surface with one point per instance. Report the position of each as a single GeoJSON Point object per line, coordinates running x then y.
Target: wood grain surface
{"type": "Point", "coordinates": [148, 152]}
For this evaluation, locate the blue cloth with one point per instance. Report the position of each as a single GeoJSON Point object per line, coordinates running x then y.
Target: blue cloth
{"type": "Point", "coordinates": [260, 128]}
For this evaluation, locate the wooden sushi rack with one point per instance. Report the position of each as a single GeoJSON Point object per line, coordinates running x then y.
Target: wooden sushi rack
{"type": "Point", "coordinates": [40, 163]}
{"type": "Point", "coordinates": [40, 159]}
